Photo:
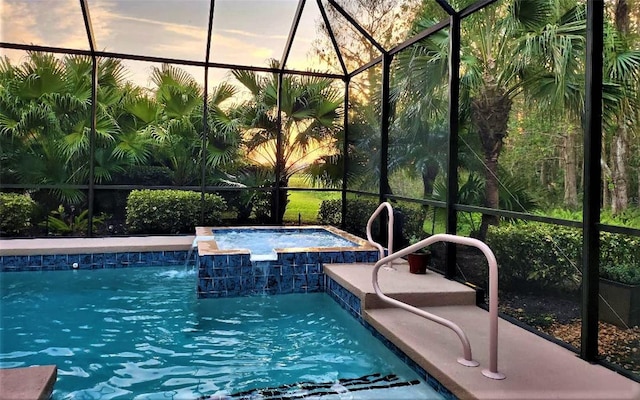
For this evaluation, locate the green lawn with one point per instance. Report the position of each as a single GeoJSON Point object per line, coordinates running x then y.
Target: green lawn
{"type": "Point", "coordinates": [305, 204]}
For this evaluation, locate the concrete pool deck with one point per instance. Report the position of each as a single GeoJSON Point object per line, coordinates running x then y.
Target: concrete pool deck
{"type": "Point", "coordinates": [534, 367]}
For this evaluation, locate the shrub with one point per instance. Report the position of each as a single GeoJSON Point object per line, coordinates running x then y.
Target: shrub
{"type": "Point", "coordinates": [61, 222]}
{"type": "Point", "coordinates": [359, 211]}
{"type": "Point", "coordinates": [171, 211]}
{"type": "Point", "coordinates": [535, 256]}
{"type": "Point", "coordinates": [547, 257]}
{"type": "Point", "coordinates": [15, 213]}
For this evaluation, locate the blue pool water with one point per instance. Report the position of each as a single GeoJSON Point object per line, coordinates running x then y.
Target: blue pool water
{"type": "Point", "coordinates": [140, 333]}
{"type": "Point", "coordinates": [262, 242]}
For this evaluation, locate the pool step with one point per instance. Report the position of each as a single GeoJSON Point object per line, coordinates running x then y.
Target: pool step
{"type": "Point", "coordinates": [430, 289]}
{"type": "Point", "coordinates": [33, 383]}
{"type": "Point", "coordinates": [535, 368]}
{"type": "Point", "coordinates": [302, 390]}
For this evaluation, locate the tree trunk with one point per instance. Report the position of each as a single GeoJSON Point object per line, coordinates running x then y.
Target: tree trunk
{"type": "Point", "coordinates": [620, 143]}
{"type": "Point", "coordinates": [620, 176]}
{"type": "Point", "coordinates": [429, 175]}
{"type": "Point", "coordinates": [489, 115]}
{"type": "Point", "coordinates": [570, 169]}
{"type": "Point", "coordinates": [606, 179]}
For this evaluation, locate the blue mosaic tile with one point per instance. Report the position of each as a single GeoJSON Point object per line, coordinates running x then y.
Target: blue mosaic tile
{"type": "Point", "coordinates": [313, 282]}
{"type": "Point", "coordinates": [299, 283]}
{"type": "Point", "coordinates": [122, 258]}
{"type": "Point", "coordinates": [206, 261]}
{"type": "Point", "coordinates": [314, 268]}
{"type": "Point", "coordinates": [234, 261]}
{"type": "Point", "coordinates": [233, 285]}
{"type": "Point", "coordinates": [97, 258]}
{"type": "Point", "coordinates": [313, 257]}
{"type": "Point", "coordinates": [110, 258]}
{"type": "Point", "coordinates": [286, 258]}
{"type": "Point", "coordinates": [85, 259]}
{"type": "Point", "coordinates": [220, 260]}
{"type": "Point", "coordinates": [287, 270]}
{"type": "Point", "coordinates": [218, 284]}
{"type": "Point", "coordinates": [349, 256]}
{"type": "Point", "coordinates": [246, 270]}
{"type": "Point", "coordinates": [35, 261]}
{"type": "Point", "coordinates": [18, 261]}
{"type": "Point", "coordinates": [300, 258]}
{"type": "Point", "coordinates": [245, 259]}
{"type": "Point", "coordinates": [246, 283]}
{"type": "Point", "coordinates": [259, 269]}
{"type": "Point", "coordinates": [216, 272]}
{"type": "Point", "coordinates": [259, 281]}
{"type": "Point", "coordinates": [337, 257]}
{"type": "Point", "coordinates": [286, 285]}
{"type": "Point", "coordinates": [325, 257]}
{"type": "Point", "coordinates": [373, 257]}
{"type": "Point", "coordinates": [300, 269]}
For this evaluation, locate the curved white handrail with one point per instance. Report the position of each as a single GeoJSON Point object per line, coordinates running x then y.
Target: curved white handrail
{"type": "Point", "coordinates": [467, 360]}
{"type": "Point", "coordinates": [390, 228]}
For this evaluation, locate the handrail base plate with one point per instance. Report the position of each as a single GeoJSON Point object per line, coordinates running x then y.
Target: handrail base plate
{"type": "Point", "coordinates": [493, 375]}
{"type": "Point", "coordinates": [467, 363]}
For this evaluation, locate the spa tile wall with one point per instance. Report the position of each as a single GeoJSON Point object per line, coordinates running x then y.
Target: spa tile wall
{"type": "Point", "coordinates": [61, 262]}
{"type": "Point", "coordinates": [237, 275]}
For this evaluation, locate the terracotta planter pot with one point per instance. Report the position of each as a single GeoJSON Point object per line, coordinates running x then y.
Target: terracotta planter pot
{"type": "Point", "coordinates": [418, 262]}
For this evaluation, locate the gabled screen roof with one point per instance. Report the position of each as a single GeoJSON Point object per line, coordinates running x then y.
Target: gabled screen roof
{"type": "Point", "coordinates": [308, 35]}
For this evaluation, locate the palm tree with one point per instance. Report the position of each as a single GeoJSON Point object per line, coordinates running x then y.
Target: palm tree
{"type": "Point", "coordinates": [309, 121]}
{"type": "Point", "coordinates": [178, 126]}
{"type": "Point", "coordinates": [498, 63]}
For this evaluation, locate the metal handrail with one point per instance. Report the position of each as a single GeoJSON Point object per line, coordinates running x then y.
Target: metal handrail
{"type": "Point", "coordinates": [466, 360]}
{"type": "Point", "coordinates": [373, 216]}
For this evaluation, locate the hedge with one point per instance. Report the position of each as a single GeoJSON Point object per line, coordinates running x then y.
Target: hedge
{"type": "Point", "coordinates": [15, 213]}
{"type": "Point", "coordinates": [548, 257]}
{"type": "Point", "coordinates": [410, 217]}
{"type": "Point", "coordinates": [171, 211]}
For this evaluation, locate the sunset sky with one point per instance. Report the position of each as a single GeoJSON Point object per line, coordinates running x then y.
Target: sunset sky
{"type": "Point", "coordinates": [246, 32]}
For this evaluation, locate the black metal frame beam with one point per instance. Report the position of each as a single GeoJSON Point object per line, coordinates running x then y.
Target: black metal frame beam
{"type": "Point", "coordinates": [135, 57]}
{"type": "Point", "coordinates": [205, 114]}
{"type": "Point", "coordinates": [292, 33]}
{"type": "Point", "coordinates": [94, 113]}
{"type": "Point", "coordinates": [332, 36]}
{"type": "Point", "coordinates": [385, 122]}
{"type": "Point", "coordinates": [592, 181]}
{"type": "Point", "coordinates": [279, 155]}
{"type": "Point", "coordinates": [345, 155]}
{"type": "Point", "coordinates": [420, 36]}
{"type": "Point", "coordinates": [356, 25]}
{"type": "Point", "coordinates": [452, 148]}
{"type": "Point", "coordinates": [446, 7]}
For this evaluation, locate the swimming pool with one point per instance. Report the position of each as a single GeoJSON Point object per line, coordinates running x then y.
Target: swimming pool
{"type": "Point", "coordinates": [142, 333]}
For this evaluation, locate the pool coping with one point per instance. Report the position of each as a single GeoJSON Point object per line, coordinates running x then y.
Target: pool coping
{"type": "Point", "coordinates": [535, 368]}
{"type": "Point", "coordinates": [208, 246]}
{"type": "Point", "coordinates": [65, 245]}
{"type": "Point", "coordinates": [33, 383]}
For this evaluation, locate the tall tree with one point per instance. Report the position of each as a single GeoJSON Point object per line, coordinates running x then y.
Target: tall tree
{"type": "Point", "coordinates": [309, 121]}
{"type": "Point", "coordinates": [497, 63]}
